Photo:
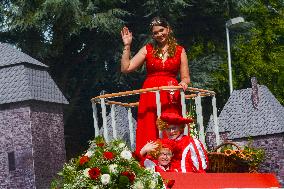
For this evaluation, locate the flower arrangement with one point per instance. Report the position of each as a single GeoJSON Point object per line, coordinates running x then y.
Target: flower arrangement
{"type": "Point", "coordinates": [248, 158]}
{"type": "Point", "coordinates": [106, 165]}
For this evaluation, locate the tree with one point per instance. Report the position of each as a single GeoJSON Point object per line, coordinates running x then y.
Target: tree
{"type": "Point", "coordinates": [260, 53]}
{"type": "Point", "coordinates": [75, 38]}
{"type": "Point", "coordinates": [80, 42]}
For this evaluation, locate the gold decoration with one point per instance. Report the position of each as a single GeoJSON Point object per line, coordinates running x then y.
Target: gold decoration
{"type": "Point", "coordinates": [161, 124]}
{"type": "Point", "coordinates": [156, 152]}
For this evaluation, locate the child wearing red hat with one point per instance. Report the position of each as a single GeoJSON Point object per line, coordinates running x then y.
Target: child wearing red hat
{"type": "Point", "coordinates": [158, 155]}
{"type": "Point", "coordinates": [189, 153]}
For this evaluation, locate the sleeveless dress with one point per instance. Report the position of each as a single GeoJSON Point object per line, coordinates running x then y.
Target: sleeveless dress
{"type": "Point", "coordinates": [158, 74]}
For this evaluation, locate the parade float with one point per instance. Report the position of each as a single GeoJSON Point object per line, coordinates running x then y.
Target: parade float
{"type": "Point", "coordinates": [110, 163]}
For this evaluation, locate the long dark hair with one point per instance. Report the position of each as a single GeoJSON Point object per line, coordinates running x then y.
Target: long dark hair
{"type": "Point", "coordinates": [157, 21]}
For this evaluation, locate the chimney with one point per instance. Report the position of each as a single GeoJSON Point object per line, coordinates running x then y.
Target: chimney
{"type": "Point", "coordinates": [254, 95]}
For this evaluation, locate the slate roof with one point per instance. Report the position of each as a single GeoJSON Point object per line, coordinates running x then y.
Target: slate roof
{"type": "Point", "coordinates": [11, 56]}
{"type": "Point", "coordinates": [28, 81]}
{"type": "Point", "coordinates": [241, 119]}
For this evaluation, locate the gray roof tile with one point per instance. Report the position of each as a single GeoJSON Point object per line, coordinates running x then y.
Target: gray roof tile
{"type": "Point", "coordinates": [19, 82]}
{"type": "Point", "coordinates": [43, 87]}
{"type": "Point", "coordinates": [12, 56]}
{"type": "Point", "coordinates": [241, 119]}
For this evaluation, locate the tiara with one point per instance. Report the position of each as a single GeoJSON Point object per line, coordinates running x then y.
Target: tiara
{"type": "Point", "coordinates": [155, 22]}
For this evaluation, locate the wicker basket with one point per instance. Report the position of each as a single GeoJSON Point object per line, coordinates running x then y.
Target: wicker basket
{"type": "Point", "coordinates": [221, 163]}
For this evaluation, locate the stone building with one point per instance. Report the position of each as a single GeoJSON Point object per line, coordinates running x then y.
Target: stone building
{"type": "Point", "coordinates": [254, 113]}
{"type": "Point", "coordinates": [32, 148]}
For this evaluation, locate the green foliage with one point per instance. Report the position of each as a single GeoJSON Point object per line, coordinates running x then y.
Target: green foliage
{"type": "Point", "coordinates": [260, 54]}
{"type": "Point", "coordinates": [80, 42]}
{"type": "Point", "coordinates": [106, 165]}
{"type": "Point", "coordinates": [255, 155]}
{"type": "Point", "coordinates": [257, 50]}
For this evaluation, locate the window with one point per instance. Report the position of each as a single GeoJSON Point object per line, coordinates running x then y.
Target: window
{"type": "Point", "coordinates": [11, 161]}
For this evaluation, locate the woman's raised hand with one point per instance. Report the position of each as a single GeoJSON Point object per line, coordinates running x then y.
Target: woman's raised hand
{"type": "Point", "coordinates": [126, 36]}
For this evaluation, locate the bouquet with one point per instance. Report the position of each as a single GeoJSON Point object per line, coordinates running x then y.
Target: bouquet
{"type": "Point", "coordinates": [107, 165]}
{"type": "Point", "coordinates": [248, 158]}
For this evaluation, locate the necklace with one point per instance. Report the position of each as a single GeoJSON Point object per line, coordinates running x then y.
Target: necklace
{"type": "Point", "coordinates": [163, 53]}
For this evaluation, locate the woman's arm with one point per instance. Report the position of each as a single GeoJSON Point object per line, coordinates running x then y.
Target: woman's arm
{"type": "Point", "coordinates": [130, 65]}
{"type": "Point", "coordinates": [184, 71]}
{"type": "Point", "coordinates": [127, 64]}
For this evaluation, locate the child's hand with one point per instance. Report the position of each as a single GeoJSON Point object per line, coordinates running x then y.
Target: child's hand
{"type": "Point", "coordinates": [149, 147]}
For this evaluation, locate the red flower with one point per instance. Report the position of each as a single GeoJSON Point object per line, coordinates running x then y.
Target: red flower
{"type": "Point", "coordinates": [170, 183]}
{"type": "Point", "coordinates": [94, 173]}
{"type": "Point", "coordinates": [83, 160]}
{"type": "Point", "coordinates": [108, 155]}
{"type": "Point", "coordinates": [130, 175]}
{"type": "Point", "coordinates": [101, 144]}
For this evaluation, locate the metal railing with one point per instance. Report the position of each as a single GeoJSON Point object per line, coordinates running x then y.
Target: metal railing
{"type": "Point", "coordinates": [189, 93]}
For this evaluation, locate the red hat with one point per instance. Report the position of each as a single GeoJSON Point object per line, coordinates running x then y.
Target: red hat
{"type": "Point", "coordinates": [167, 143]}
{"type": "Point", "coordinates": [162, 143]}
{"type": "Point", "coordinates": [175, 119]}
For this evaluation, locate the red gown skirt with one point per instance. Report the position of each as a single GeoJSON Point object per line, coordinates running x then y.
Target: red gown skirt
{"type": "Point", "coordinates": [158, 74]}
{"type": "Point", "coordinates": [147, 110]}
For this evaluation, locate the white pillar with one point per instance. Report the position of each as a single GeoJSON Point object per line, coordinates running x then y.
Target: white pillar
{"type": "Point", "coordinates": [200, 118]}
{"type": "Point", "coordinates": [103, 105]}
{"type": "Point", "coordinates": [229, 61]}
{"type": "Point", "coordinates": [159, 109]}
{"type": "Point", "coordinates": [113, 122]}
{"type": "Point", "coordinates": [183, 109]}
{"type": "Point", "coordinates": [96, 127]}
{"type": "Point", "coordinates": [215, 119]}
{"type": "Point", "coordinates": [131, 132]}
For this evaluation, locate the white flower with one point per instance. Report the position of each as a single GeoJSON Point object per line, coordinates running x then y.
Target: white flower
{"type": "Point", "coordinates": [138, 185]}
{"type": "Point", "coordinates": [113, 168]}
{"type": "Point", "coordinates": [105, 179]}
{"type": "Point", "coordinates": [95, 187]}
{"type": "Point", "coordinates": [125, 154]}
{"type": "Point", "coordinates": [70, 167]}
{"type": "Point", "coordinates": [86, 172]}
{"type": "Point", "coordinates": [89, 153]}
{"type": "Point", "coordinates": [152, 184]}
{"type": "Point", "coordinates": [121, 145]}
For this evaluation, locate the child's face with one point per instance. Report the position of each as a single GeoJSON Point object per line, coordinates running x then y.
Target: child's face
{"type": "Point", "coordinates": [173, 131]}
{"type": "Point", "coordinates": [165, 156]}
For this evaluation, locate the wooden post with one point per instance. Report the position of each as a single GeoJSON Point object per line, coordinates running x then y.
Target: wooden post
{"type": "Point", "coordinates": [215, 119]}
{"type": "Point", "coordinates": [183, 109]}
{"type": "Point", "coordinates": [159, 109]}
{"type": "Point", "coordinates": [103, 105]}
{"type": "Point", "coordinates": [131, 132]}
{"type": "Point", "coordinates": [96, 127]}
{"type": "Point", "coordinates": [200, 118]}
{"type": "Point", "coordinates": [113, 122]}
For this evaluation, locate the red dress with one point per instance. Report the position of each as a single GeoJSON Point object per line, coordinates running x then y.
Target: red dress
{"type": "Point", "coordinates": [158, 74]}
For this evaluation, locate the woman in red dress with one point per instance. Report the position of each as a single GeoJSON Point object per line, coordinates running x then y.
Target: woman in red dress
{"type": "Point", "coordinates": [164, 59]}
